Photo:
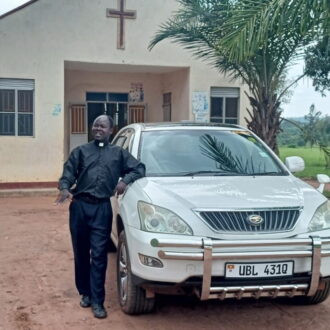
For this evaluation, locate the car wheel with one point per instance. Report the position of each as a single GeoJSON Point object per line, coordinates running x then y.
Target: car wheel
{"type": "Point", "coordinates": [132, 298]}
{"type": "Point", "coordinates": [319, 296]}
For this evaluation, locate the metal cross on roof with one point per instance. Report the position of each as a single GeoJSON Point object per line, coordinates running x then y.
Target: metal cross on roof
{"type": "Point", "coordinates": [121, 14]}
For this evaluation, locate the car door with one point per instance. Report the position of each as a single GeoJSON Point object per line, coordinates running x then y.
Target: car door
{"type": "Point", "coordinates": [124, 140]}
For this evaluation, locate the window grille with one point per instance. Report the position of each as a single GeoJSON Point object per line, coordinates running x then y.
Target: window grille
{"type": "Point", "coordinates": [16, 107]}
{"type": "Point", "coordinates": [78, 119]}
{"type": "Point", "coordinates": [136, 114]}
{"type": "Point", "coordinates": [224, 105]}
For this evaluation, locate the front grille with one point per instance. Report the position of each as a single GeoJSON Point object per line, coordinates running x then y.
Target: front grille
{"type": "Point", "coordinates": [275, 220]}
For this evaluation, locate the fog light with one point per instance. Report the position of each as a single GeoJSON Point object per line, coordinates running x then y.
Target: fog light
{"type": "Point", "coordinates": [150, 261]}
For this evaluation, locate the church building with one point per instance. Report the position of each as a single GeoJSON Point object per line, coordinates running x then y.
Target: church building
{"type": "Point", "coordinates": [65, 62]}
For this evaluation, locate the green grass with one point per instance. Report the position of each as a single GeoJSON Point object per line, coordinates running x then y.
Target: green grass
{"type": "Point", "coordinates": [313, 157]}
{"type": "Point", "coordinates": [314, 162]}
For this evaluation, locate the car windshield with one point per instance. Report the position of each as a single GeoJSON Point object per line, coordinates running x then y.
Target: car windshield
{"type": "Point", "coordinates": [205, 152]}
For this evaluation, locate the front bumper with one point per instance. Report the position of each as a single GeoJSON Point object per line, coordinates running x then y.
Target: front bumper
{"type": "Point", "coordinates": [315, 249]}
{"type": "Point", "coordinates": [200, 262]}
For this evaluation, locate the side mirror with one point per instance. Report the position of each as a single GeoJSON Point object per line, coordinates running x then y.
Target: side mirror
{"type": "Point", "coordinates": [322, 179]}
{"type": "Point", "coordinates": [295, 164]}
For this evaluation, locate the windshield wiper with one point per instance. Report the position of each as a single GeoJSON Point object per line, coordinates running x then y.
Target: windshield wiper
{"type": "Point", "coordinates": [268, 173]}
{"type": "Point", "coordinates": [213, 173]}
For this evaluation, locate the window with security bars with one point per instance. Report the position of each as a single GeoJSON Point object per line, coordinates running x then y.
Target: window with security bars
{"type": "Point", "coordinates": [16, 108]}
{"type": "Point", "coordinates": [136, 114]}
{"type": "Point", "coordinates": [224, 105]}
{"type": "Point", "coordinates": [78, 119]}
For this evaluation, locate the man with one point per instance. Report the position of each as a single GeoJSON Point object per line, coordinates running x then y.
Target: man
{"type": "Point", "coordinates": [94, 168]}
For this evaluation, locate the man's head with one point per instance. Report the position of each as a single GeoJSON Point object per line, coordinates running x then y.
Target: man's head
{"type": "Point", "coordinates": [102, 128]}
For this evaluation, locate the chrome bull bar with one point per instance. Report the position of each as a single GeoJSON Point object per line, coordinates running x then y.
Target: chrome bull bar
{"type": "Point", "coordinates": [300, 248]}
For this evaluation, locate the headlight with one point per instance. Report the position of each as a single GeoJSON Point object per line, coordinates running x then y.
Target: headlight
{"type": "Point", "coordinates": [157, 219]}
{"type": "Point", "coordinates": [321, 218]}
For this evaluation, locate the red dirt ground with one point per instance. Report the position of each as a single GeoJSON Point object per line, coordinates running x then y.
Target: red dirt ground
{"type": "Point", "coordinates": [37, 289]}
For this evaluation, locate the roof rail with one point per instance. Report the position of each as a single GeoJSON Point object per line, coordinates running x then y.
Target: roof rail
{"type": "Point", "coordinates": [190, 123]}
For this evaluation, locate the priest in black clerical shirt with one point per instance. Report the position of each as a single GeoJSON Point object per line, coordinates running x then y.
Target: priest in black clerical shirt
{"type": "Point", "coordinates": [93, 170]}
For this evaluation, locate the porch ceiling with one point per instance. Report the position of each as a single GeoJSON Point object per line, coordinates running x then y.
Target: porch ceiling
{"type": "Point", "coordinates": [110, 67]}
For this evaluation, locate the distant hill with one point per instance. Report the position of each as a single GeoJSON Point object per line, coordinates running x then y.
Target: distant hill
{"type": "Point", "coordinates": [297, 119]}
{"type": "Point", "coordinates": [291, 135]}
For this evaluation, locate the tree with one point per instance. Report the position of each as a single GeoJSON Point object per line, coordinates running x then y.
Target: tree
{"type": "Point", "coordinates": [222, 32]}
{"type": "Point", "coordinates": [326, 152]}
{"type": "Point", "coordinates": [290, 133]}
{"type": "Point", "coordinates": [261, 16]}
{"type": "Point", "coordinates": [323, 127]}
{"type": "Point", "coordinates": [309, 128]}
{"type": "Point", "coordinates": [317, 62]}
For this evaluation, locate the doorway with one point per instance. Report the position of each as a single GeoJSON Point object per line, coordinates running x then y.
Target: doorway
{"type": "Point", "coordinates": [111, 104]}
{"type": "Point", "coordinates": [118, 112]}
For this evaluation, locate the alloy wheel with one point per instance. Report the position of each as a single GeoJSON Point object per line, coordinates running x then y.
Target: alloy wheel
{"type": "Point", "coordinates": [123, 273]}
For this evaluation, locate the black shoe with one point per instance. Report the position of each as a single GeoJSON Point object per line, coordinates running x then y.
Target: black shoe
{"type": "Point", "coordinates": [99, 311]}
{"type": "Point", "coordinates": [85, 301]}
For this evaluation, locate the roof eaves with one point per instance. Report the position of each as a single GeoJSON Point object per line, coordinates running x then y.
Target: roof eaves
{"type": "Point", "coordinates": [18, 8]}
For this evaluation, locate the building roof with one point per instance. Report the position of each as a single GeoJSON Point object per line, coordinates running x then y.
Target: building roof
{"type": "Point", "coordinates": [18, 8]}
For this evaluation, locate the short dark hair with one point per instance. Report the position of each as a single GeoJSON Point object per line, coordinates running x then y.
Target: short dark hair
{"type": "Point", "coordinates": [110, 120]}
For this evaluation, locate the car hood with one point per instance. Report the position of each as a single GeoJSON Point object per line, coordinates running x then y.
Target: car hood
{"type": "Point", "coordinates": [228, 192]}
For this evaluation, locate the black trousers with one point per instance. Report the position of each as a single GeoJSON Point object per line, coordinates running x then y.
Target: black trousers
{"type": "Point", "coordinates": [90, 226]}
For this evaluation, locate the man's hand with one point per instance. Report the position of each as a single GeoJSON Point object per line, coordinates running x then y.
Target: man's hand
{"type": "Point", "coordinates": [63, 196]}
{"type": "Point", "coordinates": [120, 188]}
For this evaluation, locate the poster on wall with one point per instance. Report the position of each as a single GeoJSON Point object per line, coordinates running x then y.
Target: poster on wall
{"type": "Point", "coordinates": [136, 93]}
{"type": "Point", "coordinates": [200, 106]}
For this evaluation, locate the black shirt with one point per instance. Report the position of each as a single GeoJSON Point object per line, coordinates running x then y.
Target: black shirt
{"type": "Point", "coordinates": [96, 170]}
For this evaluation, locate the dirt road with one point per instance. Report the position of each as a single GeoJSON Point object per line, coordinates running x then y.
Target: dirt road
{"type": "Point", "coordinates": [37, 289]}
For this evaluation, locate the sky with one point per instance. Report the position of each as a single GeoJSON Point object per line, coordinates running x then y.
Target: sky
{"type": "Point", "coordinates": [302, 97]}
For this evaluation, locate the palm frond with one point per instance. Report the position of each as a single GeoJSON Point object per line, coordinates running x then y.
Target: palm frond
{"type": "Point", "coordinates": [253, 21]}
{"type": "Point", "coordinates": [222, 155]}
{"type": "Point", "coordinates": [251, 40]}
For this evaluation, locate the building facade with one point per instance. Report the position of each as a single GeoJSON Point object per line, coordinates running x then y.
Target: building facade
{"type": "Point", "coordinates": [63, 63]}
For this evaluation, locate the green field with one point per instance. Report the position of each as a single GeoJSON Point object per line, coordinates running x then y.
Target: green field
{"type": "Point", "coordinates": [313, 157]}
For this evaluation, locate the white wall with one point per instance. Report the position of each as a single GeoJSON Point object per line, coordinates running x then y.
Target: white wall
{"type": "Point", "coordinates": [78, 82]}
{"type": "Point", "coordinates": [177, 83]}
{"type": "Point", "coordinates": [36, 41]}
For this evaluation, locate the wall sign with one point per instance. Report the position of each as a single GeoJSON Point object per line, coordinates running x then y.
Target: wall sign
{"type": "Point", "coordinates": [136, 93]}
{"type": "Point", "coordinates": [200, 106]}
{"type": "Point", "coordinates": [56, 110]}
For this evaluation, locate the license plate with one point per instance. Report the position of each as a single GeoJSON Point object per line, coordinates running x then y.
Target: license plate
{"type": "Point", "coordinates": [262, 269]}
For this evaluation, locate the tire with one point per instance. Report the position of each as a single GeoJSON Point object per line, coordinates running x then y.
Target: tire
{"type": "Point", "coordinates": [318, 297]}
{"type": "Point", "coordinates": [132, 298]}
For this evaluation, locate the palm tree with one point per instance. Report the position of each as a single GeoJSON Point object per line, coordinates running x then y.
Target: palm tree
{"type": "Point", "coordinates": [254, 19]}
{"type": "Point", "coordinates": [208, 29]}
{"type": "Point", "coordinates": [257, 17]}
